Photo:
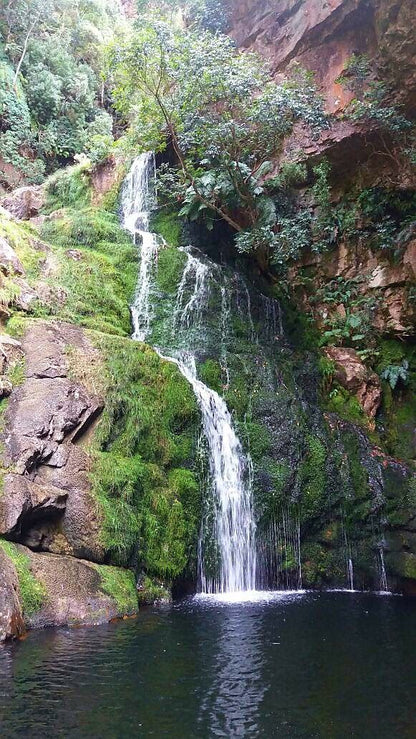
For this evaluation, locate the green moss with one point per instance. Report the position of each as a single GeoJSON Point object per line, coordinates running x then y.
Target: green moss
{"type": "Point", "coordinates": [312, 475]}
{"type": "Point", "coordinates": [210, 373]}
{"type": "Point", "coordinates": [96, 269]}
{"type": "Point", "coordinates": [120, 585]}
{"type": "Point", "coordinates": [152, 591]}
{"type": "Point", "coordinates": [84, 227]}
{"type": "Point", "coordinates": [258, 438]}
{"type": "Point", "coordinates": [23, 239]}
{"type": "Point", "coordinates": [70, 187]}
{"type": "Point", "coordinates": [32, 592]}
{"type": "Point", "coordinates": [322, 565]}
{"type": "Point", "coordinates": [346, 406]}
{"type": "Point", "coordinates": [143, 476]}
{"type": "Point", "coordinates": [171, 262]}
{"type": "Point", "coordinates": [358, 474]}
{"type": "Point", "coordinates": [168, 225]}
{"type": "Point", "coordinates": [398, 421]}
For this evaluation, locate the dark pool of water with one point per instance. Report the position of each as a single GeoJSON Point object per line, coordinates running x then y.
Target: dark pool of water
{"type": "Point", "coordinates": [312, 665]}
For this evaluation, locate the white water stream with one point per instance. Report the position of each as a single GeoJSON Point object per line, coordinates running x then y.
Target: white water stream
{"type": "Point", "coordinates": [230, 469]}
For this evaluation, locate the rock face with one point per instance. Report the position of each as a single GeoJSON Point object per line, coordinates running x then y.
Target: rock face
{"type": "Point", "coordinates": [322, 36]}
{"type": "Point", "coordinates": [388, 283]}
{"type": "Point", "coordinates": [47, 499]}
{"type": "Point", "coordinates": [105, 177]}
{"type": "Point", "coordinates": [11, 618]}
{"type": "Point", "coordinates": [9, 261]}
{"type": "Point", "coordinates": [47, 503]}
{"type": "Point", "coordinates": [355, 377]}
{"type": "Point", "coordinates": [69, 591]}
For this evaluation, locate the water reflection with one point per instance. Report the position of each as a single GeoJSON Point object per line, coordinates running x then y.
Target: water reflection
{"type": "Point", "coordinates": [331, 665]}
{"type": "Point", "coordinates": [232, 702]}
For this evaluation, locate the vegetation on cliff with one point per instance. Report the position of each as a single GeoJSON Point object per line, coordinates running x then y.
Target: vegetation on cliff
{"type": "Point", "coordinates": [53, 91]}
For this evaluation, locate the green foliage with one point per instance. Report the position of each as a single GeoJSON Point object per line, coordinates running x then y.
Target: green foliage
{"type": "Point", "coordinates": [120, 586]}
{"type": "Point", "coordinates": [373, 96]}
{"type": "Point", "coordinates": [353, 325]}
{"type": "Point", "coordinates": [53, 82]}
{"type": "Point", "coordinates": [32, 593]}
{"type": "Point", "coordinates": [395, 373]}
{"type": "Point", "coordinates": [224, 115]}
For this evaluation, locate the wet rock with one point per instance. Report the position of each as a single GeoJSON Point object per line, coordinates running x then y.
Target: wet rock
{"type": "Point", "coordinates": [25, 202]}
{"type": "Point", "coordinates": [11, 619]}
{"type": "Point", "coordinates": [355, 377]}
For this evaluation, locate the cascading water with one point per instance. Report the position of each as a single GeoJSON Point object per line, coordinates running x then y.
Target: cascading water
{"type": "Point", "coordinates": [230, 469]}
{"type": "Point", "coordinates": [138, 198]}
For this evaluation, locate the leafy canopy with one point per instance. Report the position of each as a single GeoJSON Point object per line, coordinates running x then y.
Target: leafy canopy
{"type": "Point", "coordinates": [223, 115]}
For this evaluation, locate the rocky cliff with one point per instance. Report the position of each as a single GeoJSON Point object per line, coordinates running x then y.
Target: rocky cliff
{"type": "Point", "coordinates": [373, 278]}
{"type": "Point", "coordinates": [90, 421]}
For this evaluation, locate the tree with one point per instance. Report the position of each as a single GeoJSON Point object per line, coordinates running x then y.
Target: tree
{"type": "Point", "coordinates": [22, 18]}
{"type": "Point", "coordinates": [223, 115]}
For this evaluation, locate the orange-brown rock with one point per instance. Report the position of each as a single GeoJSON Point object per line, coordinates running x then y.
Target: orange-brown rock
{"type": "Point", "coordinates": [377, 276]}
{"type": "Point", "coordinates": [104, 177]}
{"type": "Point", "coordinates": [355, 377]}
{"type": "Point", "coordinates": [322, 37]}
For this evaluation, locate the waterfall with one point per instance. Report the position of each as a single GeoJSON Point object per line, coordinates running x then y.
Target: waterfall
{"type": "Point", "coordinates": [350, 573]}
{"type": "Point", "coordinates": [384, 587]}
{"type": "Point", "coordinates": [137, 200]}
{"type": "Point", "coordinates": [230, 469]}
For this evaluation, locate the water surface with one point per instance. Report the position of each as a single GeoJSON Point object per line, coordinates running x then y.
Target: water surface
{"type": "Point", "coordinates": [295, 665]}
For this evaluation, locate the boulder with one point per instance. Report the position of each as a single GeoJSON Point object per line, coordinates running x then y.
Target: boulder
{"type": "Point", "coordinates": [9, 261]}
{"type": "Point", "coordinates": [11, 619]}
{"type": "Point", "coordinates": [77, 591]}
{"type": "Point", "coordinates": [25, 202]}
{"type": "Point", "coordinates": [354, 376]}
